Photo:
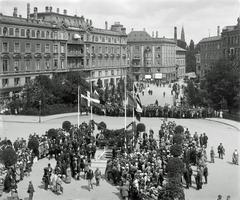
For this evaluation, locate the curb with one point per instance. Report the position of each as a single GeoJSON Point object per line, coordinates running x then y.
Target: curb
{"type": "Point", "coordinates": [225, 123]}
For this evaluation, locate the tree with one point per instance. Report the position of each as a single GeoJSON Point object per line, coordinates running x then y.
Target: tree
{"type": "Point", "coordinates": [177, 139]}
{"type": "Point", "coordinates": [190, 58]}
{"type": "Point", "coordinates": [102, 125]}
{"type": "Point", "coordinates": [223, 85]}
{"type": "Point", "coordinates": [8, 157]}
{"type": "Point", "coordinates": [52, 133]}
{"type": "Point", "coordinates": [176, 150]}
{"type": "Point", "coordinates": [141, 127]}
{"type": "Point", "coordinates": [66, 125]}
{"type": "Point", "coordinates": [33, 144]}
{"type": "Point", "coordinates": [179, 129]}
{"type": "Point", "coordinates": [99, 83]}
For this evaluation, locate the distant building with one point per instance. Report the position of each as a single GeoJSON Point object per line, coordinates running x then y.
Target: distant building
{"type": "Point", "coordinates": [180, 62]}
{"type": "Point", "coordinates": [149, 56]}
{"type": "Point", "coordinates": [198, 65]}
{"type": "Point", "coordinates": [49, 42]}
{"type": "Point", "coordinates": [210, 53]}
{"type": "Point", "coordinates": [231, 41]}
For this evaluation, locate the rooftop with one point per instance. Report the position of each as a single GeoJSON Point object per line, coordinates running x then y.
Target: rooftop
{"type": "Point", "coordinates": [143, 36]}
{"type": "Point", "coordinates": [211, 39]}
{"type": "Point", "coordinates": [180, 49]}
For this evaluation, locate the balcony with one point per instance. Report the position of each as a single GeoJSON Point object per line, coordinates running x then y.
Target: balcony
{"type": "Point", "coordinates": [106, 55]}
{"type": "Point", "coordinates": [100, 55]}
{"type": "Point", "coordinates": [93, 55]}
{"type": "Point", "coordinates": [38, 55]}
{"type": "Point", "coordinates": [75, 54]}
{"type": "Point", "coordinates": [112, 55]}
{"type": "Point", "coordinates": [118, 55]}
{"type": "Point", "coordinates": [136, 58]}
{"type": "Point", "coordinates": [124, 56]}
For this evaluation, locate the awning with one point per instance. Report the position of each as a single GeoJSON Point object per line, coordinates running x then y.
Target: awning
{"type": "Point", "coordinates": [158, 76]}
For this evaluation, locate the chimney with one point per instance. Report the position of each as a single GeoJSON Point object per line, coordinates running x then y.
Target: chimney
{"type": "Point", "coordinates": [106, 25]}
{"type": "Point", "coordinates": [218, 30]}
{"type": "Point", "coordinates": [46, 9]}
{"type": "Point", "coordinates": [57, 10]}
{"type": "Point", "coordinates": [156, 34]}
{"type": "Point", "coordinates": [20, 16]}
{"type": "Point", "coordinates": [132, 29]}
{"type": "Point", "coordinates": [153, 34]}
{"type": "Point", "coordinates": [175, 33]}
{"type": "Point", "coordinates": [15, 12]}
{"type": "Point", "coordinates": [144, 29]}
{"type": "Point", "coordinates": [90, 22]}
{"type": "Point", "coordinates": [35, 10]}
{"type": "Point", "coordinates": [28, 11]}
{"type": "Point", "coordinates": [87, 21]}
{"type": "Point", "coordinates": [50, 9]}
{"type": "Point", "coordinates": [65, 12]}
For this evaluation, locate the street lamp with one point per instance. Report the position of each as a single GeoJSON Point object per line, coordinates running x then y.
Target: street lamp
{"type": "Point", "coordinates": [40, 108]}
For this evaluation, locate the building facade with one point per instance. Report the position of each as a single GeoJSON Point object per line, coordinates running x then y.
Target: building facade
{"type": "Point", "coordinates": [49, 42]}
{"type": "Point", "coordinates": [231, 41]}
{"type": "Point", "coordinates": [180, 62]}
{"type": "Point", "coordinates": [149, 56]}
{"type": "Point", "coordinates": [210, 53]}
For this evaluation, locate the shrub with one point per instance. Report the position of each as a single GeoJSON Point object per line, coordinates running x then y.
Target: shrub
{"type": "Point", "coordinates": [102, 126]}
{"type": "Point", "coordinates": [33, 144]}
{"type": "Point", "coordinates": [175, 165]}
{"type": "Point", "coordinates": [8, 156]}
{"type": "Point", "coordinates": [172, 191]}
{"type": "Point", "coordinates": [52, 133]}
{"type": "Point", "coordinates": [179, 129]}
{"type": "Point", "coordinates": [177, 139]}
{"type": "Point", "coordinates": [66, 125]}
{"type": "Point", "coordinates": [141, 127]}
{"type": "Point", "coordinates": [176, 150]}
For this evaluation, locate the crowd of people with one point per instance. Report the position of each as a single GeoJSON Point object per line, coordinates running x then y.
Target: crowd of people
{"type": "Point", "coordinates": [140, 168]}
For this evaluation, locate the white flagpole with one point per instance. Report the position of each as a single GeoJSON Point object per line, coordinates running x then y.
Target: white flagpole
{"type": "Point", "coordinates": [125, 117]}
{"type": "Point", "coordinates": [133, 119]}
{"type": "Point", "coordinates": [90, 97]}
{"type": "Point", "coordinates": [134, 98]}
{"type": "Point", "coordinates": [78, 106]}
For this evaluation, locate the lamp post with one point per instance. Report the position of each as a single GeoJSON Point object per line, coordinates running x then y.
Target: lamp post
{"type": "Point", "coordinates": [40, 110]}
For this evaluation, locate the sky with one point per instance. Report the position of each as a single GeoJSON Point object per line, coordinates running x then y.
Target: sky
{"type": "Point", "coordinates": [199, 18]}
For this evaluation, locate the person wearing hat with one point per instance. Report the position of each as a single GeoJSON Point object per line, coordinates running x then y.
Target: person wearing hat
{"type": "Point", "coordinates": [97, 176]}
{"type": "Point", "coordinates": [30, 190]}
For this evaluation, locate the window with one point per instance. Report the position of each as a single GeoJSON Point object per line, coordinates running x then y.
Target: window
{"type": "Point", "coordinates": [118, 72]}
{"type": "Point", "coordinates": [16, 47]}
{"type": "Point", "coordinates": [38, 48]}
{"type": "Point", "coordinates": [27, 80]}
{"type": "Point", "coordinates": [106, 49]}
{"type": "Point", "coordinates": [55, 49]}
{"type": "Point", "coordinates": [22, 32]}
{"type": "Point", "coordinates": [42, 34]}
{"type": "Point", "coordinates": [62, 49]}
{"type": "Point", "coordinates": [5, 65]}
{"type": "Point", "coordinates": [11, 33]}
{"type": "Point", "coordinates": [47, 48]}
{"type": "Point", "coordinates": [55, 35]}
{"type": "Point", "coordinates": [16, 65]}
{"type": "Point", "coordinates": [5, 47]}
{"type": "Point", "coordinates": [100, 49]}
{"type": "Point", "coordinates": [38, 34]}
{"type": "Point", "coordinates": [16, 81]}
{"type": "Point", "coordinates": [27, 65]}
{"type": "Point", "coordinates": [99, 73]}
{"type": "Point", "coordinates": [112, 72]}
{"type": "Point", "coordinates": [33, 33]}
{"type": "Point", "coordinates": [93, 49]}
{"type": "Point", "coordinates": [55, 63]}
{"type": "Point", "coordinates": [106, 73]}
{"type": "Point", "coordinates": [0, 30]}
{"type": "Point", "coordinates": [62, 64]}
{"type": "Point", "coordinates": [4, 82]}
{"type": "Point", "coordinates": [37, 64]}
{"type": "Point", "coordinates": [16, 32]}
{"type": "Point", "coordinates": [28, 48]}
{"type": "Point", "coordinates": [47, 34]}
{"type": "Point", "coordinates": [47, 64]}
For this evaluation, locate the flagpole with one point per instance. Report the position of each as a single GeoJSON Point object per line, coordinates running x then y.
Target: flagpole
{"type": "Point", "coordinates": [78, 106]}
{"type": "Point", "coordinates": [125, 117]}
{"type": "Point", "coordinates": [133, 119]}
{"type": "Point", "coordinates": [91, 94]}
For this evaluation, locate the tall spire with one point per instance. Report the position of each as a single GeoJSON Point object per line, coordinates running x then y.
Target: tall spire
{"type": "Point", "coordinates": [182, 35]}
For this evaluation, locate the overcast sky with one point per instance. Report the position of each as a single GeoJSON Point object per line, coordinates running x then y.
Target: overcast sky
{"type": "Point", "coordinates": [199, 17]}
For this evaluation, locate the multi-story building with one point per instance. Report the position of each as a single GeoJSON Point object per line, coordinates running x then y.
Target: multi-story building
{"type": "Point", "coordinates": [151, 55]}
{"type": "Point", "coordinates": [231, 41]}
{"type": "Point", "coordinates": [180, 61]}
{"type": "Point", "coordinates": [210, 53]}
{"type": "Point", "coordinates": [198, 65]}
{"type": "Point", "coordinates": [49, 42]}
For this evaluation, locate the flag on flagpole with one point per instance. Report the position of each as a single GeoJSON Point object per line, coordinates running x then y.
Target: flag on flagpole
{"type": "Point", "coordinates": [90, 99]}
{"type": "Point", "coordinates": [138, 109]}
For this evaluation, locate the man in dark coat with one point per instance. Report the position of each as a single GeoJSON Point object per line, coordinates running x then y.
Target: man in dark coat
{"type": "Point", "coordinates": [30, 190]}
{"type": "Point", "coordinates": [205, 173]}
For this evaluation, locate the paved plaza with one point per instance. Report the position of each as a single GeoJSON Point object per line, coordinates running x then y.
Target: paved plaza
{"type": "Point", "coordinates": [223, 176]}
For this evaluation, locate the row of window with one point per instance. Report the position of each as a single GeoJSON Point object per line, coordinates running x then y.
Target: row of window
{"type": "Point", "coordinates": [106, 73]}
{"type": "Point", "coordinates": [106, 39]}
{"type": "Point", "coordinates": [232, 40]}
{"type": "Point", "coordinates": [29, 49]}
{"type": "Point", "coordinates": [32, 33]}
{"type": "Point", "coordinates": [27, 64]}
{"type": "Point", "coordinates": [17, 81]}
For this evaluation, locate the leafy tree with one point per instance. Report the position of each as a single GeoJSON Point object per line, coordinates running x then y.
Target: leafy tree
{"type": "Point", "coordinates": [99, 83]}
{"type": "Point", "coordinates": [179, 129]}
{"type": "Point", "coordinates": [223, 85]}
{"type": "Point", "coordinates": [8, 156]}
{"type": "Point", "coordinates": [106, 93]}
{"type": "Point", "coordinates": [176, 150]}
{"type": "Point", "coordinates": [190, 58]}
{"type": "Point", "coordinates": [141, 127]}
{"type": "Point", "coordinates": [66, 125]}
{"type": "Point", "coordinates": [33, 144]}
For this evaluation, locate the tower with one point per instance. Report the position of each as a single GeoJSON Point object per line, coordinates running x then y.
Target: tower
{"type": "Point", "coordinates": [182, 35]}
{"type": "Point", "coordinates": [175, 33]}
